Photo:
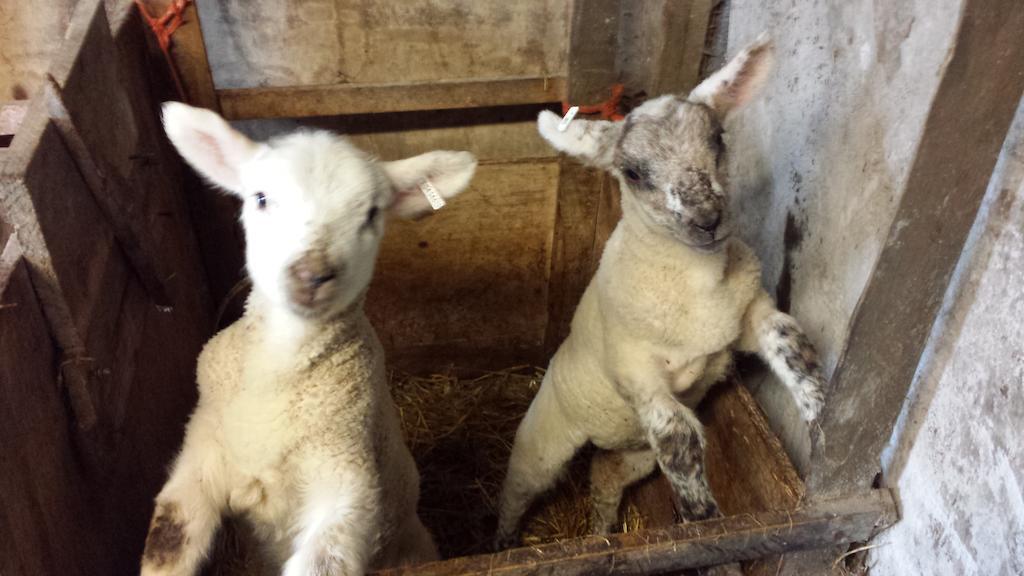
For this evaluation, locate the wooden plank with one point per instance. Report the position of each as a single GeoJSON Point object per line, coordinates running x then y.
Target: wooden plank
{"type": "Point", "coordinates": [257, 43]}
{"type": "Point", "coordinates": [593, 41]}
{"type": "Point", "coordinates": [574, 251]}
{"type": "Point", "coordinates": [115, 196]}
{"type": "Point", "coordinates": [471, 278]}
{"type": "Point", "coordinates": [662, 45]}
{"type": "Point", "coordinates": [581, 191]}
{"type": "Point", "coordinates": [684, 30]}
{"type": "Point", "coordinates": [980, 89]}
{"type": "Point", "coordinates": [340, 99]}
{"type": "Point", "coordinates": [748, 469]}
{"type": "Point", "coordinates": [693, 545]}
{"type": "Point", "coordinates": [44, 508]}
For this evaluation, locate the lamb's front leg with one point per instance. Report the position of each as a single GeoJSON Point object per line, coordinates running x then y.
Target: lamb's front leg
{"type": "Point", "coordinates": [340, 523]}
{"type": "Point", "coordinates": [677, 438]}
{"type": "Point", "coordinates": [777, 338]}
{"type": "Point", "coordinates": [186, 517]}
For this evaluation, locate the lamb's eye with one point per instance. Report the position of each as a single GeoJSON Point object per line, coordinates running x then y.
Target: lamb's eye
{"type": "Point", "coordinates": [261, 200]}
{"type": "Point", "coordinates": [372, 214]}
{"type": "Point", "coordinates": [631, 174]}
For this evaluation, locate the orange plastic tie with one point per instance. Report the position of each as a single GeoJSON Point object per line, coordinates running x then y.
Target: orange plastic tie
{"type": "Point", "coordinates": [163, 28]}
{"type": "Point", "coordinates": [607, 110]}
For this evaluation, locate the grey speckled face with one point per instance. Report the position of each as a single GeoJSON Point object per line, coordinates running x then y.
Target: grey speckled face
{"type": "Point", "coordinates": [668, 153]}
{"type": "Point", "coordinates": [668, 158]}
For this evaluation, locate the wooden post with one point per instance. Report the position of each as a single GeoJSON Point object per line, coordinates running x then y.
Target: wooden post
{"type": "Point", "coordinates": [593, 40]}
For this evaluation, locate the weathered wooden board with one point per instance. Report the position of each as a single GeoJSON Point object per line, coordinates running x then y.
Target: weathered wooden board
{"type": "Point", "coordinates": [44, 197]}
{"type": "Point", "coordinates": [43, 501]}
{"type": "Point", "coordinates": [575, 246]}
{"type": "Point", "coordinates": [748, 468]}
{"type": "Point", "coordinates": [338, 99]}
{"type": "Point", "coordinates": [662, 45]}
{"type": "Point", "coordinates": [581, 191]}
{"type": "Point", "coordinates": [980, 89]}
{"type": "Point", "coordinates": [78, 501]}
{"type": "Point", "coordinates": [213, 212]}
{"type": "Point", "coordinates": [681, 546]}
{"type": "Point", "coordinates": [309, 42]}
{"type": "Point", "coordinates": [472, 278]}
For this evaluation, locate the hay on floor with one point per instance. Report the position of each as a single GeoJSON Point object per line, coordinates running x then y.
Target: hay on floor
{"type": "Point", "coordinates": [461, 431]}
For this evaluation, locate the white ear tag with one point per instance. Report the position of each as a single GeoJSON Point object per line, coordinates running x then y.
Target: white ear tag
{"type": "Point", "coordinates": [564, 124]}
{"type": "Point", "coordinates": [433, 196]}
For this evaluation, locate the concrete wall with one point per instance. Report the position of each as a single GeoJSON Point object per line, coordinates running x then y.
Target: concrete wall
{"type": "Point", "coordinates": [957, 457]}
{"type": "Point", "coordinates": [819, 161]}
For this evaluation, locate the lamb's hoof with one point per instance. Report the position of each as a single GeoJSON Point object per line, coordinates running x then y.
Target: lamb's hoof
{"type": "Point", "coordinates": [506, 541]}
{"type": "Point", "coordinates": [703, 509]}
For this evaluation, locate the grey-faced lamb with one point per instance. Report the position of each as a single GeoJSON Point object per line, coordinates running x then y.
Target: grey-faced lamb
{"type": "Point", "coordinates": [295, 429]}
{"type": "Point", "coordinates": [675, 294]}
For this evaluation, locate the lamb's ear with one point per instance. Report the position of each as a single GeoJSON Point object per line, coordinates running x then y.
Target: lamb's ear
{"type": "Point", "coordinates": [738, 81]}
{"type": "Point", "coordinates": [208, 143]}
{"type": "Point", "coordinates": [448, 173]}
{"type": "Point", "coordinates": [592, 141]}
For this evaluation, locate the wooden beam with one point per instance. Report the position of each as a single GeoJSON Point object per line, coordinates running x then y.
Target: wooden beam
{"type": "Point", "coordinates": [348, 99]}
{"type": "Point", "coordinates": [712, 542]}
{"type": "Point", "coordinates": [684, 27]}
{"type": "Point", "coordinates": [584, 194]}
{"type": "Point", "coordinates": [980, 89]}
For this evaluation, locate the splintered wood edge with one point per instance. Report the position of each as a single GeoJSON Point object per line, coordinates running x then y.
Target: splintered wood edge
{"type": "Point", "coordinates": [724, 540]}
{"type": "Point", "coordinates": [9, 259]}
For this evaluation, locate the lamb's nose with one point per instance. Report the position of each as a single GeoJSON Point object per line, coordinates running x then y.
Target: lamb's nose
{"type": "Point", "coordinates": [313, 277]}
{"type": "Point", "coordinates": [708, 222]}
{"type": "Point", "coordinates": [312, 271]}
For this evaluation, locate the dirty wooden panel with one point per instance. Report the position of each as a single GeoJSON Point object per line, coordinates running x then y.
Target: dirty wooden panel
{"type": "Point", "coordinates": [979, 92]}
{"type": "Point", "coordinates": [574, 249]}
{"type": "Point", "coordinates": [43, 503]}
{"type": "Point", "coordinates": [67, 240]}
{"type": "Point", "coordinates": [474, 275]}
{"type": "Point", "coordinates": [337, 99]}
{"type": "Point", "coordinates": [748, 468]}
{"type": "Point", "coordinates": [661, 45]}
{"type": "Point", "coordinates": [581, 191]}
{"type": "Point", "coordinates": [212, 212]}
{"type": "Point", "coordinates": [30, 33]}
{"type": "Point", "coordinates": [87, 73]}
{"type": "Point", "coordinates": [692, 545]}
{"type": "Point", "coordinates": [308, 42]}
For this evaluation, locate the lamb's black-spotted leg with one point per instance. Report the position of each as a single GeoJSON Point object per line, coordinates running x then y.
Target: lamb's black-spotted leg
{"type": "Point", "coordinates": [777, 338]}
{"type": "Point", "coordinates": [677, 438]}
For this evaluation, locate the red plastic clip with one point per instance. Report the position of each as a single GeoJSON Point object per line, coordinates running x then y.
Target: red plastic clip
{"type": "Point", "coordinates": [607, 110]}
{"type": "Point", "coordinates": [163, 28]}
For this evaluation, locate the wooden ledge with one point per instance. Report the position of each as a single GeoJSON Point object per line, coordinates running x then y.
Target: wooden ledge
{"type": "Point", "coordinates": [744, 537]}
{"type": "Point", "coordinates": [348, 99]}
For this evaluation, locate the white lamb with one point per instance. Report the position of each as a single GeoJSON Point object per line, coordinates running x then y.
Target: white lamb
{"type": "Point", "coordinates": [295, 428]}
{"type": "Point", "coordinates": [674, 295]}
